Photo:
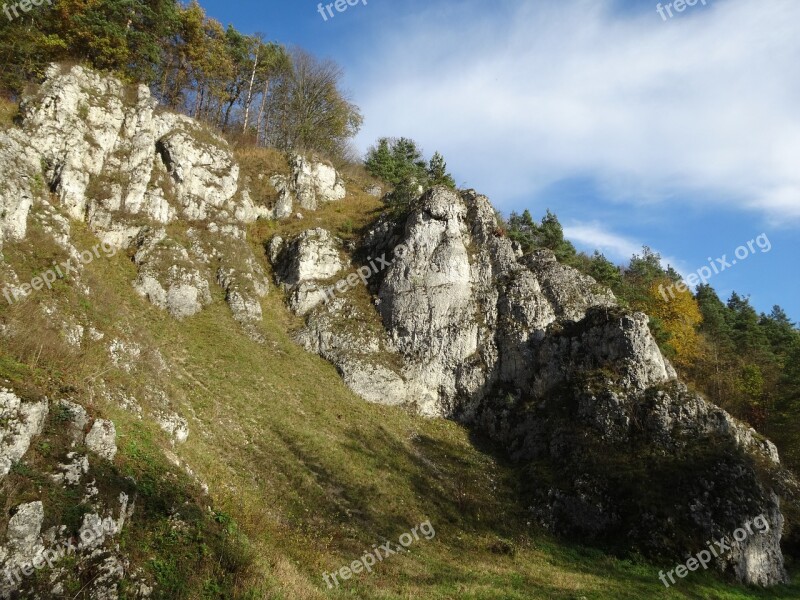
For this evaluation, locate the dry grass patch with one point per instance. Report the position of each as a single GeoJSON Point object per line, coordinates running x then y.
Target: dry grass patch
{"type": "Point", "coordinates": [346, 219]}
{"type": "Point", "coordinates": [8, 112]}
{"type": "Point", "coordinates": [257, 166]}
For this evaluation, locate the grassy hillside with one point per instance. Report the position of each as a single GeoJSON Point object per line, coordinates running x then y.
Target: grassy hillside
{"type": "Point", "coordinates": [303, 476]}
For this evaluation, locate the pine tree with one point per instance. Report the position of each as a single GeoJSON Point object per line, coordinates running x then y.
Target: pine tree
{"type": "Point", "coordinates": [380, 162]}
{"type": "Point", "coordinates": [551, 235]}
{"type": "Point", "coordinates": [437, 172]}
{"type": "Point", "coordinates": [604, 271]}
{"type": "Point", "coordinates": [400, 163]}
{"type": "Point", "coordinates": [523, 229]}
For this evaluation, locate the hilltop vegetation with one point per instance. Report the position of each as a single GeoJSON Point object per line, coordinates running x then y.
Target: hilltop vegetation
{"type": "Point", "coordinates": [239, 83]}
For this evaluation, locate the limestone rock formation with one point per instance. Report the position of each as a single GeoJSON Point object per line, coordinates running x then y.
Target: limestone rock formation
{"type": "Point", "coordinates": [113, 161]}
{"type": "Point", "coordinates": [167, 275]}
{"type": "Point", "coordinates": [102, 439]}
{"type": "Point", "coordinates": [303, 265]}
{"type": "Point", "coordinates": [21, 422]}
{"type": "Point", "coordinates": [310, 184]}
{"type": "Point", "coordinates": [539, 357]}
{"type": "Point", "coordinates": [438, 312]}
{"type": "Point", "coordinates": [27, 547]}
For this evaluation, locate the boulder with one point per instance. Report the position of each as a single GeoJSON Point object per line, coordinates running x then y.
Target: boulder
{"type": "Point", "coordinates": [102, 439]}
{"type": "Point", "coordinates": [310, 184]}
{"type": "Point", "coordinates": [20, 422]}
{"type": "Point", "coordinates": [24, 530]}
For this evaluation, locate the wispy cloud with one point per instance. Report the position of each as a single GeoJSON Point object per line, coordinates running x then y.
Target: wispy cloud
{"type": "Point", "coordinates": [703, 107]}
{"type": "Point", "coordinates": [617, 248]}
{"type": "Point", "coordinates": [592, 236]}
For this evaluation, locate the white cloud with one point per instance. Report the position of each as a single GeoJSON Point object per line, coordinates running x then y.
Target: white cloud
{"type": "Point", "coordinates": [616, 248]}
{"type": "Point", "coordinates": [594, 237]}
{"type": "Point", "coordinates": [703, 106]}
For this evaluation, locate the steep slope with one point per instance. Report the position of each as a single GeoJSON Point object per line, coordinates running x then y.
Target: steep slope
{"type": "Point", "coordinates": [539, 357]}
{"type": "Point", "coordinates": [154, 397]}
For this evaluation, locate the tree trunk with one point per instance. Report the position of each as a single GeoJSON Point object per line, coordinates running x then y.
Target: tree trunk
{"type": "Point", "coordinates": [198, 101]}
{"type": "Point", "coordinates": [228, 113]}
{"type": "Point", "coordinates": [250, 92]}
{"type": "Point", "coordinates": [261, 113]}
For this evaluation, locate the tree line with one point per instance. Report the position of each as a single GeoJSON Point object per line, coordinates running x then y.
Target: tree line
{"type": "Point", "coordinates": [742, 360]}
{"type": "Point", "coordinates": [239, 83]}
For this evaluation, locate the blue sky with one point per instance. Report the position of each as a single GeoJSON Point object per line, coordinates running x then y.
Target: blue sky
{"type": "Point", "coordinates": [682, 134]}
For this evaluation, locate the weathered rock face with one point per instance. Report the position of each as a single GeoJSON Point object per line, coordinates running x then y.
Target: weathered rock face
{"type": "Point", "coordinates": [428, 305]}
{"type": "Point", "coordinates": [128, 170]}
{"type": "Point", "coordinates": [310, 184]}
{"type": "Point", "coordinates": [312, 256]}
{"type": "Point", "coordinates": [539, 357]}
{"type": "Point", "coordinates": [167, 275]}
{"type": "Point", "coordinates": [21, 422]}
{"type": "Point", "coordinates": [603, 338]}
{"type": "Point", "coordinates": [303, 265]}
{"type": "Point", "coordinates": [24, 529]}
{"type": "Point", "coordinates": [102, 439]}
{"type": "Point", "coordinates": [757, 558]}
{"type": "Point", "coordinates": [105, 148]}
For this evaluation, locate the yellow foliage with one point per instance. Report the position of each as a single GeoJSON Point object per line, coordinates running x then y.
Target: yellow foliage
{"type": "Point", "coordinates": [677, 310]}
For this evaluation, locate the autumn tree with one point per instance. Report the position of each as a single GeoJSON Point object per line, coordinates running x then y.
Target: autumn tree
{"type": "Point", "coordinates": [678, 316]}
{"type": "Point", "coordinates": [311, 113]}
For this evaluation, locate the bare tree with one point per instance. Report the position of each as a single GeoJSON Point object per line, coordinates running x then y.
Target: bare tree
{"type": "Point", "coordinates": [315, 115]}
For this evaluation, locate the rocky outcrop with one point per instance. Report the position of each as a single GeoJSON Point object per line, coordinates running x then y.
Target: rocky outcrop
{"type": "Point", "coordinates": [176, 426]}
{"type": "Point", "coordinates": [304, 265]}
{"type": "Point", "coordinates": [28, 549]}
{"type": "Point", "coordinates": [102, 439]}
{"type": "Point", "coordinates": [757, 558]}
{"type": "Point", "coordinates": [314, 255]}
{"type": "Point", "coordinates": [168, 276]}
{"type": "Point", "coordinates": [65, 554]}
{"type": "Point", "coordinates": [457, 306]}
{"type": "Point", "coordinates": [368, 362]}
{"type": "Point", "coordinates": [109, 158]}
{"type": "Point", "coordinates": [107, 150]}
{"type": "Point", "coordinates": [310, 184]}
{"type": "Point", "coordinates": [542, 359]}
{"type": "Point", "coordinates": [20, 422]}
{"type": "Point", "coordinates": [24, 529]}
